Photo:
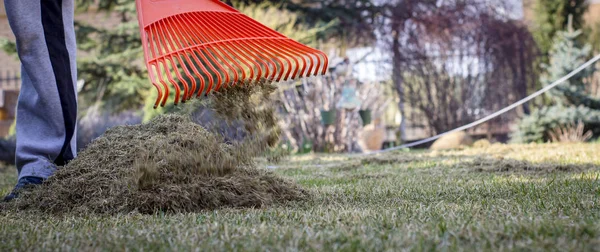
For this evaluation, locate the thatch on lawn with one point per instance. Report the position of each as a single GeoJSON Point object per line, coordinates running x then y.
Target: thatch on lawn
{"type": "Point", "coordinates": [172, 164]}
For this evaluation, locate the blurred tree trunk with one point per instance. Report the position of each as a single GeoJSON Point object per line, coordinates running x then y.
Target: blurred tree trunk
{"type": "Point", "coordinates": [523, 78]}
{"type": "Point", "coordinates": [450, 61]}
{"type": "Point", "coordinates": [398, 79]}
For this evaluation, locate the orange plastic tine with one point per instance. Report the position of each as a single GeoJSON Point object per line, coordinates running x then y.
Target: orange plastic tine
{"type": "Point", "coordinates": [259, 49]}
{"type": "Point", "coordinates": [198, 44]}
{"type": "Point", "coordinates": [317, 53]}
{"type": "Point", "coordinates": [150, 72]}
{"type": "Point", "coordinates": [219, 58]}
{"type": "Point", "coordinates": [258, 68]}
{"type": "Point", "coordinates": [212, 47]}
{"type": "Point", "coordinates": [165, 65]}
{"type": "Point", "coordinates": [217, 34]}
{"type": "Point", "coordinates": [260, 60]}
{"type": "Point", "coordinates": [158, 88]}
{"type": "Point", "coordinates": [152, 66]}
{"type": "Point", "coordinates": [287, 60]}
{"type": "Point", "coordinates": [296, 54]}
{"type": "Point", "coordinates": [289, 70]}
{"type": "Point", "coordinates": [233, 40]}
{"type": "Point", "coordinates": [310, 64]}
{"type": "Point", "coordinates": [212, 66]}
{"type": "Point", "coordinates": [212, 37]}
{"type": "Point", "coordinates": [304, 51]}
{"type": "Point", "coordinates": [200, 47]}
{"type": "Point", "coordinates": [190, 42]}
{"type": "Point", "coordinates": [175, 55]}
{"type": "Point", "coordinates": [159, 64]}
{"type": "Point", "coordinates": [146, 48]}
{"type": "Point", "coordinates": [206, 38]}
{"type": "Point", "coordinates": [208, 46]}
{"type": "Point", "coordinates": [173, 59]}
{"type": "Point", "coordinates": [269, 59]}
{"type": "Point", "coordinates": [246, 60]}
{"type": "Point", "coordinates": [201, 52]}
{"type": "Point", "coordinates": [161, 79]}
{"type": "Point", "coordinates": [228, 47]}
{"type": "Point", "coordinates": [325, 61]}
{"type": "Point", "coordinates": [286, 57]}
{"type": "Point", "coordinates": [293, 44]}
{"type": "Point", "coordinates": [264, 55]}
{"type": "Point", "coordinates": [225, 46]}
{"type": "Point", "coordinates": [259, 38]}
{"type": "Point", "coordinates": [170, 78]}
{"type": "Point", "coordinates": [302, 56]}
{"type": "Point", "coordinates": [252, 32]}
{"type": "Point", "coordinates": [307, 52]}
{"type": "Point", "coordinates": [175, 38]}
{"type": "Point", "coordinates": [164, 61]}
{"type": "Point", "coordinates": [154, 50]}
{"type": "Point", "coordinates": [227, 53]}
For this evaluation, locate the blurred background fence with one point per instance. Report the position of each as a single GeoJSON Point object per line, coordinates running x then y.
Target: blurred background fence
{"type": "Point", "coordinates": [402, 70]}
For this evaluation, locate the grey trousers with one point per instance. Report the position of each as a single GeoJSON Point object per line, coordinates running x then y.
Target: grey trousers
{"type": "Point", "coordinates": [47, 105]}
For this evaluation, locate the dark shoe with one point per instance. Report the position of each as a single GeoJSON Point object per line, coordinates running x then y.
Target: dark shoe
{"type": "Point", "coordinates": [22, 184]}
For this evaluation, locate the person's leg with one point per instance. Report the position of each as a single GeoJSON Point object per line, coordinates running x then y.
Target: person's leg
{"type": "Point", "coordinates": [47, 106]}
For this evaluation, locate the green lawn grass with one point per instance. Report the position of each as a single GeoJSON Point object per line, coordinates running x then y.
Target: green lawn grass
{"type": "Point", "coordinates": [504, 197]}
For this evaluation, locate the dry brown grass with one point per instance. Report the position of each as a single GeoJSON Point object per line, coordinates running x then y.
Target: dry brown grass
{"type": "Point", "coordinates": [172, 164]}
{"type": "Point", "coordinates": [570, 133]}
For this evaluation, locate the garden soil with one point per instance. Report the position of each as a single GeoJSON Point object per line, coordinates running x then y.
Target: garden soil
{"type": "Point", "coordinates": [172, 164]}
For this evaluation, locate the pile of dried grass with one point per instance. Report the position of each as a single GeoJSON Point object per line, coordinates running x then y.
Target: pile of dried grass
{"type": "Point", "coordinates": [172, 164]}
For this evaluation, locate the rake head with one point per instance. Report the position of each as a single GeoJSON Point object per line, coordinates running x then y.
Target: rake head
{"type": "Point", "coordinates": [200, 46]}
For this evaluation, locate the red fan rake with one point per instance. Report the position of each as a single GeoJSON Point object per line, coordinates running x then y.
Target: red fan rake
{"type": "Point", "coordinates": [199, 46]}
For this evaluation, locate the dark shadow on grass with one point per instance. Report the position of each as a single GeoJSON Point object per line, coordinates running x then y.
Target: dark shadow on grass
{"type": "Point", "coordinates": [388, 159]}
{"type": "Point", "coordinates": [505, 165]}
{"type": "Point", "coordinates": [369, 176]}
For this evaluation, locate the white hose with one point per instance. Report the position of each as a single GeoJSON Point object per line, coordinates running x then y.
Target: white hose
{"type": "Point", "coordinates": [497, 113]}
{"type": "Point", "coordinates": [487, 118]}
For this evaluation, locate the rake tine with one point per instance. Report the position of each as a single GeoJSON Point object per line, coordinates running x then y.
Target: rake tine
{"type": "Point", "coordinates": [209, 40]}
{"type": "Point", "coordinates": [199, 46]}
{"type": "Point", "coordinates": [154, 51]}
{"type": "Point", "coordinates": [146, 48]}
{"type": "Point", "coordinates": [293, 44]}
{"type": "Point", "coordinates": [257, 52]}
{"type": "Point", "coordinates": [195, 39]}
{"type": "Point", "coordinates": [226, 53]}
{"type": "Point", "coordinates": [244, 53]}
{"type": "Point", "coordinates": [160, 92]}
{"type": "Point", "coordinates": [252, 32]}
{"type": "Point", "coordinates": [168, 56]}
{"type": "Point", "coordinates": [174, 30]}
{"type": "Point", "coordinates": [325, 62]}
{"type": "Point", "coordinates": [254, 27]}
{"type": "Point", "coordinates": [214, 44]}
{"type": "Point", "coordinates": [190, 42]}
{"type": "Point", "coordinates": [172, 60]}
{"type": "Point", "coordinates": [287, 52]}
{"type": "Point", "coordinates": [301, 55]}
{"type": "Point", "coordinates": [207, 48]}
